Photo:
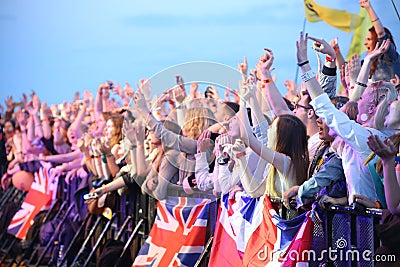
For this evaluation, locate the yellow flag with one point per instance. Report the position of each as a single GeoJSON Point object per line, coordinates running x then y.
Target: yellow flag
{"type": "Point", "coordinates": [357, 42]}
{"type": "Point", "coordinates": [340, 19]}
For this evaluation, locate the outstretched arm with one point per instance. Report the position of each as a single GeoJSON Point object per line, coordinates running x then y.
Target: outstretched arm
{"type": "Point", "coordinates": [275, 99]}
{"type": "Point", "coordinates": [380, 30]}
{"type": "Point", "coordinates": [362, 78]}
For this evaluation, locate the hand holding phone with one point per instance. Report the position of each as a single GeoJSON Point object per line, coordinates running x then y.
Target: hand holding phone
{"type": "Point", "coordinates": [90, 196]}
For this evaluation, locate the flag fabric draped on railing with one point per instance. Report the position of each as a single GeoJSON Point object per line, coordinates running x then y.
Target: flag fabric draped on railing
{"type": "Point", "coordinates": [178, 235]}
{"type": "Point", "coordinates": [249, 232]}
{"type": "Point", "coordinates": [41, 195]}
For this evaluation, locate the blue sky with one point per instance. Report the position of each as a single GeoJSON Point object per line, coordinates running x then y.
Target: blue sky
{"type": "Point", "coordinates": [59, 47]}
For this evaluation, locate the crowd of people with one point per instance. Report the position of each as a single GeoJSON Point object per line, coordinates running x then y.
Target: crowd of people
{"type": "Point", "coordinates": [311, 145]}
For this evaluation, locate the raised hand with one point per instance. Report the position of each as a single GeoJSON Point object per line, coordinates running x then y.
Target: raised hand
{"type": "Point", "coordinates": [266, 60]}
{"type": "Point", "coordinates": [21, 118]}
{"type": "Point", "coordinates": [145, 87]}
{"type": "Point", "coordinates": [24, 100]}
{"type": "Point", "coordinates": [243, 67]}
{"type": "Point", "coordinates": [128, 90]}
{"type": "Point", "coordinates": [335, 45]}
{"type": "Point", "coordinates": [105, 146]}
{"type": "Point", "coordinates": [248, 90]}
{"type": "Point", "coordinates": [204, 142]}
{"type": "Point", "coordinates": [354, 66]}
{"type": "Point", "coordinates": [384, 149]}
{"type": "Point", "coordinates": [301, 46]}
{"type": "Point", "coordinates": [141, 103]}
{"type": "Point", "coordinates": [129, 131]}
{"type": "Point", "coordinates": [179, 94]}
{"type": "Point", "coordinates": [88, 97]}
{"type": "Point", "coordinates": [365, 3]}
{"type": "Point", "coordinates": [193, 90]}
{"type": "Point", "coordinates": [9, 103]}
{"type": "Point", "coordinates": [96, 146]}
{"type": "Point", "coordinates": [214, 92]}
{"type": "Point", "coordinates": [220, 142]}
{"type": "Point", "coordinates": [379, 50]}
{"type": "Point", "coordinates": [322, 46]}
{"type": "Point", "coordinates": [35, 104]}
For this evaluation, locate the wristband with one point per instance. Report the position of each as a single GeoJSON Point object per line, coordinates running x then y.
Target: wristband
{"type": "Point", "coordinates": [105, 189]}
{"type": "Point", "coordinates": [88, 159]}
{"type": "Point", "coordinates": [303, 63]}
{"type": "Point", "coordinates": [361, 84]}
{"type": "Point", "coordinates": [397, 169]}
{"type": "Point", "coordinates": [328, 58]}
{"type": "Point", "coordinates": [141, 147]}
{"type": "Point", "coordinates": [305, 77]}
{"type": "Point", "coordinates": [268, 80]}
{"type": "Point", "coordinates": [375, 20]}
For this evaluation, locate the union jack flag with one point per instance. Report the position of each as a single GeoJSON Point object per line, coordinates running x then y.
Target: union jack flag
{"type": "Point", "coordinates": [178, 235]}
{"type": "Point", "coordinates": [249, 232]}
{"type": "Point", "coordinates": [41, 195]}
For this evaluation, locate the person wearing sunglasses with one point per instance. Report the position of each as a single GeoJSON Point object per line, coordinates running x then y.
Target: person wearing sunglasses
{"type": "Point", "coordinates": [353, 133]}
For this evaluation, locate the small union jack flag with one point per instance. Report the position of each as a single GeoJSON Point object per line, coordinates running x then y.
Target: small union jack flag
{"type": "Point", "coordinates": [178, 235]}
{"type": "Point", "coordinates": [41, 195]}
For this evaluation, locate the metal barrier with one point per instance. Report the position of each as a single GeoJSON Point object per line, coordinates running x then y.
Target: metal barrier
{"type": "Point", "coordinates": [343, 236]}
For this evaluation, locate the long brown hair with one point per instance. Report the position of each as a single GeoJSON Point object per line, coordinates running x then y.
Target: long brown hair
{"type": "Point", "coordinates": [292, 141]}
{"type": "Point", "coordinates": [117, 123]}
{"type": "Point", "coordinates": [374, 38]}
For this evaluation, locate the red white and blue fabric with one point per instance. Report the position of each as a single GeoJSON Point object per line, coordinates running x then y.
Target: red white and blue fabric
{"type": "Point", "coordinates": [249, 232]}
{"type": "Point", "coordinates": [41, 195]}
{"type": "Point", "coordinates": [178, 235]}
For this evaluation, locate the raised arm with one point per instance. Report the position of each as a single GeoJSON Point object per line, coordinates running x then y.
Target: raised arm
{"type": "Point", "coordinates": [275, 99]}
{"type": "Point", "coordinates": [45, 121]}
{"type": "Point", "coordinates": [362, 78]}
{"type": "Point", "coordinates": [380, 30]}
{"type": "Point", "coordinates": [313, 86]}
{"type": "Point", "coordinates": [269, 155]}
{"type": "Point", "coordinates": [170, 139]}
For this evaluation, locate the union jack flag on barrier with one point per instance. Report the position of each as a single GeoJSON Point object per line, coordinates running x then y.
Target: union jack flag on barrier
{"type": "Point", "coordinates": [40, 196]}
{"type": "Point", "coordinates": [178, 235]}
{"type": "Point", "coordinates": [249, 232]}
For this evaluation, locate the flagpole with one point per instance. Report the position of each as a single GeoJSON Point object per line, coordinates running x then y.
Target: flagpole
{"type": "Point", "coordinates": [297, 68]}
{"type": "Point", "coordinates": [395, 9]}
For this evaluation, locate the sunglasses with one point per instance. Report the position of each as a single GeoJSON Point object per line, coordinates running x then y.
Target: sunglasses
{"type": "Point", "coordinates": [297, 105]}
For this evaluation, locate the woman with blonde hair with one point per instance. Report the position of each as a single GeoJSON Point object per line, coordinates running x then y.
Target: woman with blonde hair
{"type": "Point", "coordinates": [198, 120]}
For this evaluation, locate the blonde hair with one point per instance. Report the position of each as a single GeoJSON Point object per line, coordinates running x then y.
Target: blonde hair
{"type": "Point", "coordinates": [381, 94]}
{"type": "Point", "coordinates": [197, 120]}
